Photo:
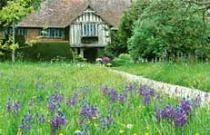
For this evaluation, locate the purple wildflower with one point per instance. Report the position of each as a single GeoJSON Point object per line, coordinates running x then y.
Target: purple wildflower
{"type": "Point", "coordinates": [28, 117]}
{"type": "Point", "coordinates": [13, 106]}
{"type": "Point", "coordinates": [54, 101]}
{"type": "Point", "coordinates": [9, 106]}
{"type": "Point", "coordinates": [57, 97]}
{"type": "Point", "coordinates": [89, 111]}
{"type": "Point", "coordinates": [131, 86]}
{"type": "Point", "coordinates": [168, 112]}
{"type": "Point", "coordinates": [186, 106]}
{"type": "Point", "coordinates": [25, 126]}
{"type": "Point", "coordinates": [58, 121]}
{"type": "Point", "coordinates": [72, 100]}
{"type": "Point", "coordinates": [16, 107]}
{"type": "Point", "coordinates": [113, 95]}
{"type": "Point", "coordinates": [26, 122]}
{"type": "Point", "coordinates": [52, 106]}
{"type": "Point", "coordinates": [78, 132]}
{"type": "Point", "coordinates": [105, 60]}
{"type": "Point", "coordinates": [147, 93]}
{"type": "Point", "coordinates": [121, 98]}
{"type": "Point", "coordinates": [180, 117]}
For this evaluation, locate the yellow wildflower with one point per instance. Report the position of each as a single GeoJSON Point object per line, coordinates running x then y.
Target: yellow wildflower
{"type": "Point", "coordinates": [61, 134]}
{"type": "Point", "coordinates": [196, 133]}
{"type": "Point", "coordinates": [135, 134]}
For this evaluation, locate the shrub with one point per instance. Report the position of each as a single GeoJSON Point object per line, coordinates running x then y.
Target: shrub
{"type": "Point", "coordinates": [123, 59]}
{"type": "Point", "coordinates": [79, 58]}
{"type": "Point", "coordinates": [167, 28]}
{"type": "Point", "coordinates": [48, 51]}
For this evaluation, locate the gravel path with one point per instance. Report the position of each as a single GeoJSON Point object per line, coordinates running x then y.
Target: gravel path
{"type": "Point", "coordinates": [168, 89]}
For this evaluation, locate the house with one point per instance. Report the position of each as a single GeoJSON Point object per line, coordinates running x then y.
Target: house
{"type": "Point", "coordinates": [84, 24]}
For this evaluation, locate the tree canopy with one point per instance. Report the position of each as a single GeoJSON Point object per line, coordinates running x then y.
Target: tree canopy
{"type": "Point", "coordinates": [11, 13]}
{"type": "Point", "coordinates": [168, 28]}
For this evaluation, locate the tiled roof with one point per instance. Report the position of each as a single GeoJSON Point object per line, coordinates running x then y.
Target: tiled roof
{"type": "Point", "coordinates": [60, 13]}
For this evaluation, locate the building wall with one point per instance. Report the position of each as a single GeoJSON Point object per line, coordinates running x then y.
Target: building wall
{"type": "Point", "coordinates": [76, 27]}
{"type": "Point", "coordinates": [34, 34]}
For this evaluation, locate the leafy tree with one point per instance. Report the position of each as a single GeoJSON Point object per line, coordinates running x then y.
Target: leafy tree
{"type": "Point", "coordinates": [167, 28]}
{"type": "Point", "coordinates": [12, 13]}
{"type": "Point", "coordinates": [120, 38]}
{"type": "Point", "coordinates": [113, 49]}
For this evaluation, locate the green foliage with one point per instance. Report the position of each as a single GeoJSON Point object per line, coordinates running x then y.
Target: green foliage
{"type": "Point", "coordinates": [79, 58]}
{"type": "Point", "coordinates": [48, 51]}
{"type": "Point", "coordinates": [113, 49]}
{"type": "Point", "coordinates": [122, 59]}
{"type": "Point", "coordinates": [166, 28]}
{"type": "Point", "coordinates": [8, 45]}
{"type": "Point", "coordinates": [11, 13]}
{"type": "Point", "coordinates": [194, 75]}
{"type": "Point", "coordinates": [14, 11]}
{"type": "Point", "coordinates": [120, 37]}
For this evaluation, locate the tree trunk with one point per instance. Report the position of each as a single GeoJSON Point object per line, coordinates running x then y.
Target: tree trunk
{"type": "Point", "coordinates": [13, 40]}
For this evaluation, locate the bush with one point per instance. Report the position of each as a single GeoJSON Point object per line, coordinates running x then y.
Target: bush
{"type": "Point", "coordinates": [123, 59]}
{"type": "Point", "coordinates": [168, 28]}
{"type": "Point", "coordinates": [79, 58]}
{"type": "Point", "coordinates": [48, 51]}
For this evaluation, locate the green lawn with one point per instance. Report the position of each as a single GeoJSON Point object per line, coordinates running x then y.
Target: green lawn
{"type": "Point", "coordinates": [34, 96]}
{"type": "Point", "coordinates": [190, 75]}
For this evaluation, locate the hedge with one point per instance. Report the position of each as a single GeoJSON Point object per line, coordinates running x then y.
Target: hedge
{"type": "Point", "coordinates": [47, 51]}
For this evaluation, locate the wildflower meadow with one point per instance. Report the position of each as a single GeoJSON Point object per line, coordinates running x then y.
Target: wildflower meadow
{"type": "Point", "coordinates": [84, 99]}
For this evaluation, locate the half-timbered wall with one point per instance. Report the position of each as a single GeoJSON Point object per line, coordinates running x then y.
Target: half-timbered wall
{"type": "Point", "coordinates": [91, 22]}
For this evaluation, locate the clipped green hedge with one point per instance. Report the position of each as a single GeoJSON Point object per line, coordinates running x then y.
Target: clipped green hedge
{"type": "Point", "coordinates": [121, 60]}
{"type": "Point", "coordinates": [47, 51]}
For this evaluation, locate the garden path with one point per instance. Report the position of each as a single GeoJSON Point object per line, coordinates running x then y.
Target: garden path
{"type": "Point", "coordinates": [168, 89]}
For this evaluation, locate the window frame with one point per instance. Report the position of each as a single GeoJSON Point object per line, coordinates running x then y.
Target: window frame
{"type": "Point", "coordinates": [53, 33]}
{"type": "Point", "coordinates": [89, 29]}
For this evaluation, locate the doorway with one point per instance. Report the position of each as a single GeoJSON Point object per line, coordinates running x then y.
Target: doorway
{"type": "Point", "coordinates": [91, 54]}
